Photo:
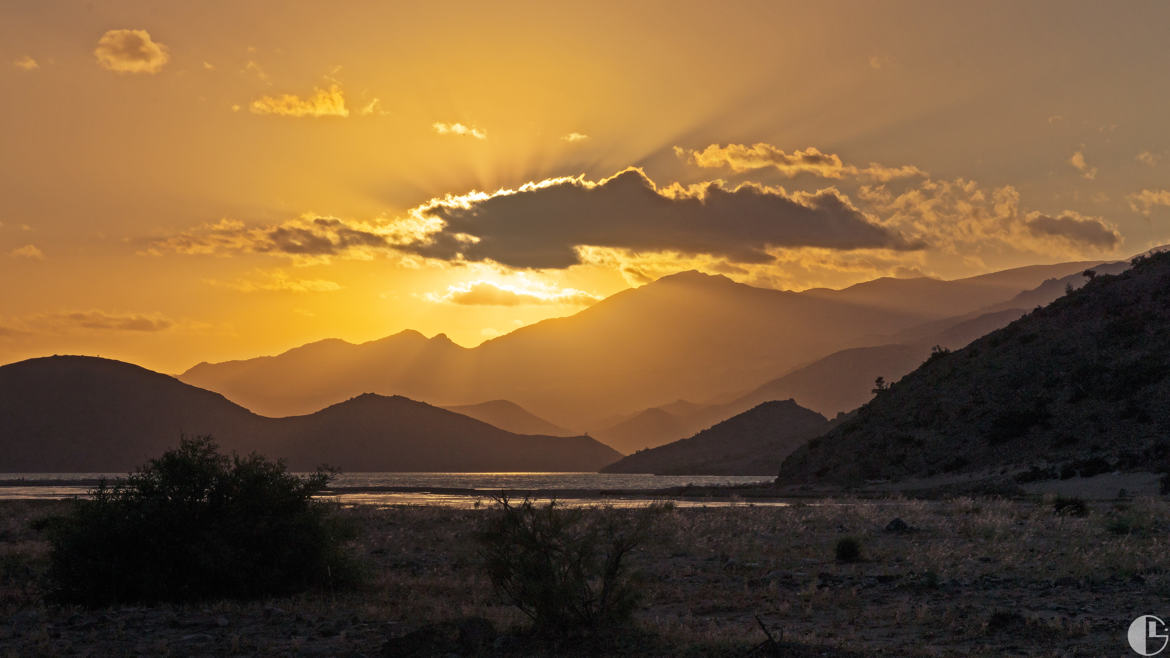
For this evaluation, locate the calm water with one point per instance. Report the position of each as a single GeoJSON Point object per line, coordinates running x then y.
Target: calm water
{"type": "Point", "coordinates": [426, 488]}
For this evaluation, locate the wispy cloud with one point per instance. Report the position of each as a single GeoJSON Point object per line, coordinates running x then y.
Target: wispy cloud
{"type": "Point", "coordinates": [742, 157]}
{"type": "Point", "coordinates": [575, 137]}
{"type": "Point", "coordinates": [490, 293]}
{"type": "Point", "coordinates": [25, 63]}
{"type": "Point", "coordinates": [458, 129]}
{"type": "Point", "coordinates": [29, 251]}
{"type": "Point", "coordinates": [1077, 160]}
{"type": "Point", "coordinates": [1149, 159]}
{"type": "Point", "coordinates": [103, 321]}
{"type": "Point", "coordinates": [130, 51]}
{"type": "Point", "coordinates": [278, 281]}
{"type": "Point", "coordinates": [1146, 200]}
{"type": "Point", "coordinates": [322, 103]}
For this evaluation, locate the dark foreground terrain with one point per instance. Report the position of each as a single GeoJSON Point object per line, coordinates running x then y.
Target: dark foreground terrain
{"type": "Point", "coordinates": [959, 577]}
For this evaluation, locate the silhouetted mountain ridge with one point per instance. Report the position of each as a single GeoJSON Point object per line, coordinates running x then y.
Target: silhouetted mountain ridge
{"type": "Point", "coordinates": [751, 443]}
{"type": "Point", "coordinates": [1078, 386]}
{"type": "Point", "coordinates": [70, 414]}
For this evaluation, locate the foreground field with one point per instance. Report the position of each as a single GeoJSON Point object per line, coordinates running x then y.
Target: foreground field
{"type": "Point", "coordinates": [958, 577]}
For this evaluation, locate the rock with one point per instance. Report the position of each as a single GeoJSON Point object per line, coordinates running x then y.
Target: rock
{"type": "Point", "coordinates": [898, 526]}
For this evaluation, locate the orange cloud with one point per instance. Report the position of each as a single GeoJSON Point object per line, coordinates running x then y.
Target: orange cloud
{"type": "Point", "coordinates": [25, 63]}
{"type": "Point", "coordinates": [103, 321]}
{"type": "Point", "coordinates": [130, 51]}
{"type": "Point", "coordinates": [29, 251]}
{"type": "Point", "coordinates": [1146, 200]}
{"type": "Point", "coordinates": [278, 281]}
{"type": "Point", "coordinates": [741, 157]}
{"type": "Point", "coordinates": [458, 129]}
{"type": "Point", "coordinates": [490, 293]}
{"type": "Point", "coordinates": [323, 103]}
{"type": "Point", "coordinates": [1078, 162]}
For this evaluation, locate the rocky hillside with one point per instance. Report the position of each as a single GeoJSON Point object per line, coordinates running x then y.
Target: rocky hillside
{"type": "Point", "coordinates": [752, 443]}
{"type": "Point", "coordinates": [1078, 387]}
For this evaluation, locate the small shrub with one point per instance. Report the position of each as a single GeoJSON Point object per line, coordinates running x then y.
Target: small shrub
{"type": "Point", "coordinates": [848, 550]}
{"type": "Point", "coordinates": [1070, 506]}
{"type": "Point", "coordinates": [194, 524]}
{"type": "Point", "coordinates": [565, 568]}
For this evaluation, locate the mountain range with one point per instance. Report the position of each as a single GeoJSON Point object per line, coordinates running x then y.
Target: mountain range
{"type": "Point", "coordinates": [85, 414]}
{"type": "Point", "coordinates": [691, 336]}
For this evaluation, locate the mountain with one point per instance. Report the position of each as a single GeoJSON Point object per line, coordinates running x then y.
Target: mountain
{"type": "Point", "coordinates": [84, 414]}
{"type": "Point", "coordinates": [843, 380]}
{"type": "Point", "coordinates": [751, 443]}
{"type": "Point", "coordinates": [1078, 386]}
{"type": "Point", "coordinates": [688, 335]}
{"type": "Point", "coordinates": [648, 428]}
{"type": "Point", "coordinates": [509, 416]}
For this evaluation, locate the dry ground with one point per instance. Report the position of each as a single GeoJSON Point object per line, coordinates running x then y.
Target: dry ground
{"type": "Point", "coordinates": [972, 577]}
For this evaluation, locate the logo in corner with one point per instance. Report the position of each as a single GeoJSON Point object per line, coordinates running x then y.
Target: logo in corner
{"type": "Point", "coordinates": [1148, 635]}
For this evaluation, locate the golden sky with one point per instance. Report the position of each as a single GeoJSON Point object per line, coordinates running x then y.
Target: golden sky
{"type": "Point", "coordinates": [213, 180]}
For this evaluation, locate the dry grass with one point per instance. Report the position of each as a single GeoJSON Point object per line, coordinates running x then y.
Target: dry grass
{"type": "Point", "coordinates": [1062, 585]}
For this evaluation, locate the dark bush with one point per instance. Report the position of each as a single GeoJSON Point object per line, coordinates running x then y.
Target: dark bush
{"type": "Point", "coordinates": [1070, 506]}
{"type": "Point", "coordinates": [194, 524]}
{"type": "Point", "coordinates": [848, 550]}
{"type": "Point", "coordinates": [565, 568]}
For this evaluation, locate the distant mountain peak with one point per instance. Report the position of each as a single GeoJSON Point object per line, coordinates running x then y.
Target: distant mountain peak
{"type": "Point", "coordinates": [694, 277]}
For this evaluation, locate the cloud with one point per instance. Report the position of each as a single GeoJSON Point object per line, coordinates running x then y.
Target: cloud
{"type": "Point", "coordinates": [1146, 200]}
{"type": "Point", "coordinates": [25, 63]}
{"type": "Point", "coordinates": [880, 61]}
{"type": "Point", "coordinates": [323, 103]}
{"type": "Point", "coordinates": [489, 293]}
{"type": "Point", "coordinates": [130, 51]}
{"type": "Point", "coordinates": [103, 321]}
{"type": "Point", "coordinates": [306, 238]}
{"type": "Point", "coordinates": [575, 137]}
{"type": "Point", "coordinates": [1075, 228]}
{"type": "Point", "coordinates": [961, 218]}
{"type": "Point", "coordinates": [1078, 162]}
{"type": "Point", "coordinates": [741, 157]}
{"type": "Point", "coordinates": [278, 281]}
{"type": "Point", "coordinates": [29, 251]}
{"type": "Point", "coordinates": [541, 225]}
{"type": "Point", "coordinates": [373, 107]}
{"type": "Point", "coordinates": [458, 129]}
{"type": "Point", "coordinates": [1149, 159]}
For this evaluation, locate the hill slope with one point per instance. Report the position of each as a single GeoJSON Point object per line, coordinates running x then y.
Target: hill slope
{"type": "Point", "coordinates": [510, 416]}
{"type": "Point", "coordinates": [1078, 386]}
{"type": "Point", "coordinates": [751, 443]}
{"type": "Point", "coordinates": [84, 414]}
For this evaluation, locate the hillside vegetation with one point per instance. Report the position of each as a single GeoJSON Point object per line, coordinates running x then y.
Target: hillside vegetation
{"type": "Point", "coordinates": [1078, 387]}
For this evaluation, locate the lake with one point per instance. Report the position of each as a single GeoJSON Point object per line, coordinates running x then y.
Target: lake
{"type": "Point", "coordinates": [448, 489]}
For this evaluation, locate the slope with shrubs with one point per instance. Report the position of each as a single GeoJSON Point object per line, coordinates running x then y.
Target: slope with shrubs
{"type": "Point", "coordinates": [751, 443]}
{"type": "Point", "coordinates": [1075, 388]}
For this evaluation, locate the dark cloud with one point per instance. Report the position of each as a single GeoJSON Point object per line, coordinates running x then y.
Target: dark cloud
{"type": "Point", "coordinates": [539, 226]}
{"type": "Point", "coordinates": [1088, 231]}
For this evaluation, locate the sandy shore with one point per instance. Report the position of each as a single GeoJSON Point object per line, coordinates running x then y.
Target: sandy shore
{"type": "Point", "coordinates": [970, 577]}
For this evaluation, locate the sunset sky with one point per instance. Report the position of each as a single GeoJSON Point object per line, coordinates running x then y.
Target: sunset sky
{"type": "Point", "coordinates": [202, 181]}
